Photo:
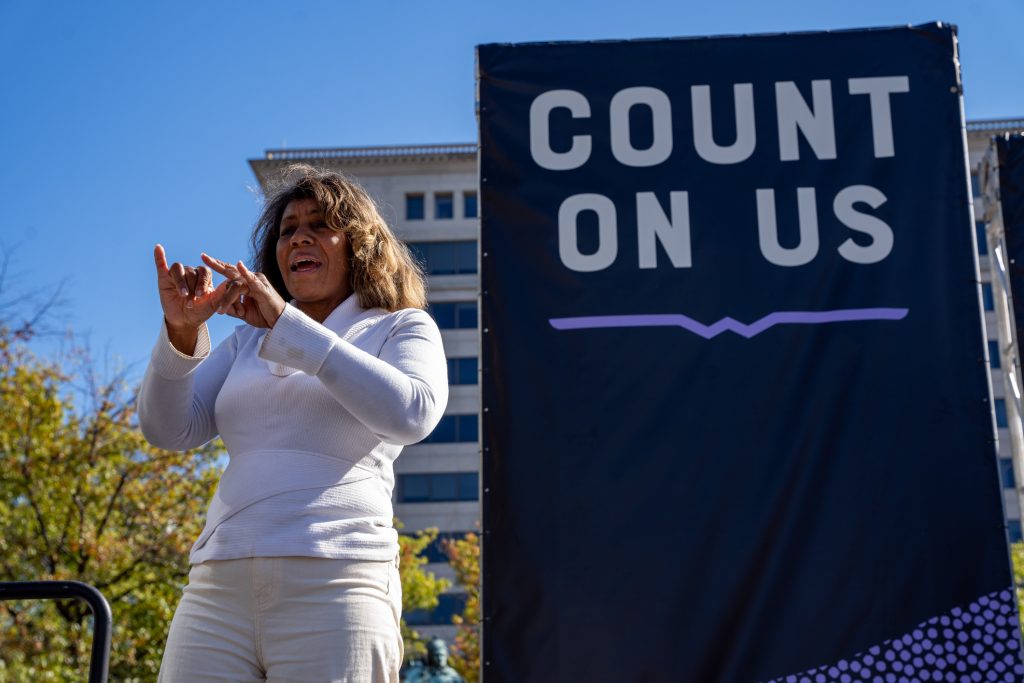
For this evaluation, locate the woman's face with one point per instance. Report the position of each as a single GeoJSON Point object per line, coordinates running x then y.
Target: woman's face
{"type": "Point", "coordinates": [314, 260]}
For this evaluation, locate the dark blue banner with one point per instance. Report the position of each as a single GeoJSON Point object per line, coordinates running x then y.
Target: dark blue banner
{"type": "Point", "coordinates": [737, 423]}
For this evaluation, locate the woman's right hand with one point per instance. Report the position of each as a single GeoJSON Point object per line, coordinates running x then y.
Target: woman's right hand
{"type": "Point", "coordinates": [188, 298]}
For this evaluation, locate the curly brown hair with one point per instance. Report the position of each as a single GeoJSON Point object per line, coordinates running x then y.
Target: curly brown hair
{"type": "Point", "coordinates": [383, 272]}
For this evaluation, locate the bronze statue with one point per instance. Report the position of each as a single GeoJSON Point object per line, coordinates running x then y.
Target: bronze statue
{"type": "Point", "coordinates": [435, 669]}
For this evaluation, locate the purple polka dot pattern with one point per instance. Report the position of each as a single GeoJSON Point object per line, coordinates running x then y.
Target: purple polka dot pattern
{"type": "Point", "coordinates": [975, 644]}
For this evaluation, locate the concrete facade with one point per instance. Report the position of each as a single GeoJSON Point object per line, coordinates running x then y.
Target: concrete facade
{"type": "Point", "coordinates": [979, 133]}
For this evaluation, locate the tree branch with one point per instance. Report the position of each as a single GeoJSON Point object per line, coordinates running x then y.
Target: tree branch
{"type": "Point", "coordinates": [93, 439]}
{"type": "Point", "coordinates": [106, 515]}
{"type": "Point", "coordinates": [132, 565]}
{"type": "Point", "coordinates": [27, 483]}
{"type": "Point", "coordinates": [141, 584]}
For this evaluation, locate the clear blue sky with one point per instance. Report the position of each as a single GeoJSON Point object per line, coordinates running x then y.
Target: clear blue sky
{"type": "Point", "coordinates": [125, 125]}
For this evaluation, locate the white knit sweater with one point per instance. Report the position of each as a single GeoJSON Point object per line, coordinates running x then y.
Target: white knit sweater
{"type": "Point", "coordinates": [313, 416]}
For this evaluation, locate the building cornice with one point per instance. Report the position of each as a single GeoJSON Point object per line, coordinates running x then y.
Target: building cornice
{"type": "Point", "coordinates": [987, 127]}
{"type": "Point", "coordinates": [274, 161]}
{"type": "Point", "coordinates": [459, 150]}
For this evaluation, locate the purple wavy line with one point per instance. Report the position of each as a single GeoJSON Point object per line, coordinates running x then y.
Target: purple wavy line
{"type": "Point", "coordinates": [729, 324]}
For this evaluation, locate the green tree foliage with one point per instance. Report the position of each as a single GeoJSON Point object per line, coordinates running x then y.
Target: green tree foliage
{"type": "Point", "coordinates": [83, 496]}
{"type": "Point", "coordinates": [420, 588]}
{"type": "Point", "coordinates": [464, 556]}
{"type": "Point", "coordinates": [1017, 554]}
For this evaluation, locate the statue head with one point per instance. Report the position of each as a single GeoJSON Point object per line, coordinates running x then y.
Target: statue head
{"type": "Point", "coordinates": [437, 653]}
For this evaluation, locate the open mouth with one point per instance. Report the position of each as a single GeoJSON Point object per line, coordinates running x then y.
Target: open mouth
{"type": "Point", "coordinates": [304, 265]}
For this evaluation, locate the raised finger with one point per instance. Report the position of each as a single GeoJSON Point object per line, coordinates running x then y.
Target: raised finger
{"type": "Point", "coordinates": [222, 267]}
{"type": "Point", "coordinates": [160, 257]}
{"type": "Point", "coordinates": [251, 278]}
{"type": "Point", "coordinates": [177, 273]}
{"type": "Point", "coordinates": [246, 275]}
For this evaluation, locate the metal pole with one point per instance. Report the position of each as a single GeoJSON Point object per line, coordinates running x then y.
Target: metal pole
{"type": "Point", "coordinates": [102, 619]}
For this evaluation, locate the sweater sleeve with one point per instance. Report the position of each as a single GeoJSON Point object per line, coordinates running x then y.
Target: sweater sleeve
{"type": "Point", "coordinates": [178, 392]}
{"type": "Point", "coordinates": [399, 395]}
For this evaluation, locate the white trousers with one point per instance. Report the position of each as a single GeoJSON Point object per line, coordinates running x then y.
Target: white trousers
{"type": "Point", "coordinates": [287, 620]}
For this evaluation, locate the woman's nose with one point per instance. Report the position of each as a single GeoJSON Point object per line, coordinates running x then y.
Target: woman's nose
{"type": "Point", "coordinates": [302, 235]}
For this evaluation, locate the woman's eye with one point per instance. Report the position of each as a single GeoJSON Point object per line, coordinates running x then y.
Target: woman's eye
{"type": "Point", "coordinates": [285, 231]}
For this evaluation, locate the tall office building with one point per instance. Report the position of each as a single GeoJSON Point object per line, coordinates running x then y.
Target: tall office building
{"type": "Point", "coordinates": [979, 133]}
{"type": "Point", "coordinates": [428, 194]}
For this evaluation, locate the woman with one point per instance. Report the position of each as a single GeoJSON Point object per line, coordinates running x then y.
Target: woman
{"type": "Point", "coordinates": [295, 577]}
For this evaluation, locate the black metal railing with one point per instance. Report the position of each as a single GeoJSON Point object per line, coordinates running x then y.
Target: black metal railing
{"type": "Point", "coordinates": [102, 620]}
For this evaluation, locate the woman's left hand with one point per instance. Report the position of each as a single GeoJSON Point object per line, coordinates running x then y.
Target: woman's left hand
{"type": "Point", "coordinates": [251, 297]}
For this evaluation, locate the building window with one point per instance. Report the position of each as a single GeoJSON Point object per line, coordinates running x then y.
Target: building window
{"type": "Point", "coordinates": [975, 185]}
{"type": "Point", "coordinates": [1013, 530]}
{"type": "Point", "coordinates": [462, 371]}
{"type": "Point", "coordinates": [454, 429]}
{"type": "Point", "coordinates": [446, 258]}
{"type": "Point", "coordinates": [444, 205]}
{"type": "Point", "coordinates": [437, 487]}
{"type": "Point", "coordinates": [448, 605]}
{"type": "Point", "coordinates": [469, 205]}
{"type": "Point", "coordinates": [414, 207]}
{"type": "Point", "coordinates": [993, 355]}
{"type": "Point", "coordinates": [1001, 420]}
{"type": "Point", "coordinates": [454, 315]}
{"type": "Point", "coordinates": [986, 296]}
{"type": "Point", "coordinates": [979, 227]}
{"type": "Point", "coordinates": [1006, 473]}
